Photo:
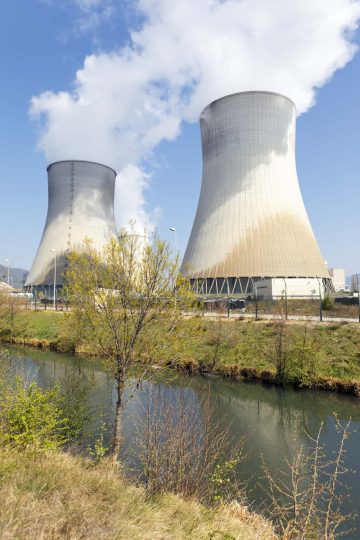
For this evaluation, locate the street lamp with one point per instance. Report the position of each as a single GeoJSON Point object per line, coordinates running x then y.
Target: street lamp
{"type": "Point", "coordinates": [172, 229]}
{"type": "Point", "coordinates": [54, 296]}
{"type": "Point", "coordinates": [321, 315]}
{"type": "Point", "coordinates": [286, 306]}
{"type": "Point", "coordinates": [256, 302]}
{"type": "Point", "coordinates": [8, 270]}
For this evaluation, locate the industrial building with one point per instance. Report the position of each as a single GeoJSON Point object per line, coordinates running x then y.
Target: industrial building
{"type": "Point", "coordinates": [338, 278]}
{"type": "Point", "coordinates": [80, 205]}
{"type": "Point", "coordinates": [251, 228]}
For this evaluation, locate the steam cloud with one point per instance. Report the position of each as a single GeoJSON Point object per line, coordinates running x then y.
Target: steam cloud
{"type": "Point", "coordinates": [186, 54]}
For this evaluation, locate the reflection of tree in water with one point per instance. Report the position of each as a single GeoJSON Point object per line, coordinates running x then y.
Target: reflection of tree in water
{"type": "Point", "coordinates": [273, 419]}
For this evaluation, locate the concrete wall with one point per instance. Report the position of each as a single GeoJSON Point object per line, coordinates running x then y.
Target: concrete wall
{"type": "Point", "coordinates": [296, 287]}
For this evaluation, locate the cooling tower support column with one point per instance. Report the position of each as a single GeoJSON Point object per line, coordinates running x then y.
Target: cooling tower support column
{"type": "Point", "coordinates": [81, 205]}
{"type": "Point", "coordinates": [251, 222]}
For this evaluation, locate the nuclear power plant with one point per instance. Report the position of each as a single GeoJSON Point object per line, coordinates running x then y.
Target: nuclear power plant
{"type": "Point", "coordinates": [81, 205]}
{"type": "Point", "coordinates": [251, 230]}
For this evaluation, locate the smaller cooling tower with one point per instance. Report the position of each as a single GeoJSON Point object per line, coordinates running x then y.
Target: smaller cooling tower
{"type": "Point", "coordinates": [81, 205]}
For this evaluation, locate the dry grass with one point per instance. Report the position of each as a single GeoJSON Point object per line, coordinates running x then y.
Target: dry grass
{"type": "Point", "coordinates": [53, 496]}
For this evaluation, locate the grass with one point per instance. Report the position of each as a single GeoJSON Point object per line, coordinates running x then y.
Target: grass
{"type": "Point", "coordinates": [40, 329]}
{"type": "Point", "coordinates": [57, 495]}
{"type": "Point", "coordinates": [235, 348]}
{"type": "Point", "coordinates": [238, 345]}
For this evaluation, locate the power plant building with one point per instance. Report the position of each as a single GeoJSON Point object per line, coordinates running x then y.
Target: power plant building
{"type": "Point", "coordinates": [338, 278]}
{"type": "Point", "coordinates": [251, 228]}
{"type": "Point", "coordinates": [80, 205]}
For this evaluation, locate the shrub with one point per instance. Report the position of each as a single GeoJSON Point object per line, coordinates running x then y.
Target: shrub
{"type": "Point", "coordinates": [327, 303]}
{"type": "Point", "coordinates": [181, 449]}
{"type": "Point", "coordinates": [30, 416]}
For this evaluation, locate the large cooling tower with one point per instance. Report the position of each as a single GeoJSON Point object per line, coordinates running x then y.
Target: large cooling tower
{"type": "Point", "coordinates": [251, 222]}
{"type": "Point", "coordinates": [81, 205]}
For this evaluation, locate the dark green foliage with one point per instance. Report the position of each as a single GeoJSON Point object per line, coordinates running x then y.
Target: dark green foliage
{"type": "Point", "coordinates": [327, 303]}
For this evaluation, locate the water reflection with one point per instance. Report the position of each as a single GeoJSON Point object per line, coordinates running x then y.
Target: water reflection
{"type": "Point", "coordinates": [272, 419]}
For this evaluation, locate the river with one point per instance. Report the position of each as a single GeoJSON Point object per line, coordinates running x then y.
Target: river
{"type": "Point", "coordinates": [272, 420]}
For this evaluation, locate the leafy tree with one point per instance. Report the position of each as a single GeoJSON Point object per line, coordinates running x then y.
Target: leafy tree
{"type": "Point", "coordinates": [116, 296]}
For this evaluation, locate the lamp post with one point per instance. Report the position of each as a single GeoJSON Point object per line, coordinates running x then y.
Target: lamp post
{"type": "Point", "coordinates": [256, 303]}
{"type": "Point", "coordinates": [286, 306]}
{"type": "Point", "coordinates": [321, 315]}
{"type": "Point", "coordinates": [54, 296]}
{"type": "Point", "coordinates": [8, 265]}
{"type": "Point", "coordinates": [8, 270]}
{"type": "Point", "coordinates": [172, 229]}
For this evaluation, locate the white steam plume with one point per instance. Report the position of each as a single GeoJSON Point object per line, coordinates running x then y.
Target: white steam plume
{"type": "Point", "coordinates": [185, 55]}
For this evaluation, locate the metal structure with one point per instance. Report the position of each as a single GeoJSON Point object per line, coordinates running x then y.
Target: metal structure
{"type": "Point", "coordinates": [251, 223]}
{"type": "Point", "coordinates": [81, 205]}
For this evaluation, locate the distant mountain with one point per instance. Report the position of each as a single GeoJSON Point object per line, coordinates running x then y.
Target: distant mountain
{"type": "Point", "coordinates": [17, 276]}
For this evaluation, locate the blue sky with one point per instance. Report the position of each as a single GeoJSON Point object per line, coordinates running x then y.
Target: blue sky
{"type": "Point", "coordinates": [42, 47]}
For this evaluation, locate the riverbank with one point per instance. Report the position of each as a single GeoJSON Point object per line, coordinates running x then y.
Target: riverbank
{"type": "Point", "coordinates": [324, 356]}
{"type": "Point", "coordinates": [56, 495]}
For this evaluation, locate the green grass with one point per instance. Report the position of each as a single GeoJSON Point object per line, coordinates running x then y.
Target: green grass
{"type": "Point", "coordinates": [58, 496]}
{"type": "Point", "coordinates": [39, 324]}
{"type": "Point", "coordinates": [250, 344]}
{"type": "Point", "coordinates": [243, 343]}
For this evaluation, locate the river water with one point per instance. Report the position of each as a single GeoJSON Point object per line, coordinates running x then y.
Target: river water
{"type": "Point", "coordinates": [273, 420]}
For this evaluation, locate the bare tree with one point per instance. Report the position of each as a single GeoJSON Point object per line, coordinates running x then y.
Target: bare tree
{"type": "Point", "coordinates": [183, 449]}
{"type": "Point", "coordinates": [116, 296]}
{"type": "Point", "coordinates": [221, 335]}
{"type": "Point", "coordinates": [307, 498]}
{"type": "Point", "coordinates": [8, 311]}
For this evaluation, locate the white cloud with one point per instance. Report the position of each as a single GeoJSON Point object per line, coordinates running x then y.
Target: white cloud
{"type": "Point", "coordinates": [185, 55]}
{"type": "Point", "coordinates": [91, 14]}
{"type": "Point", "coordinates": [94, 13]}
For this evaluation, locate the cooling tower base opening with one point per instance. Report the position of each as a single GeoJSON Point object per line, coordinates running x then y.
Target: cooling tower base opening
{"type": "Point", "coordinates": [296, 287]}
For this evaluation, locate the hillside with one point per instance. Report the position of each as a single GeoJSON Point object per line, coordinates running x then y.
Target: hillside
{"type": "Point", "coordinates": [17, 276]}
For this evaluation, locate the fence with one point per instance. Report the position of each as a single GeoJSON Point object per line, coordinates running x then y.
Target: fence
{"type": "Point", "coordinates": [292, 308]}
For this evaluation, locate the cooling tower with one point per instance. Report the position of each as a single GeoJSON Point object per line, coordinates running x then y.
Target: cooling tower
{"type": "Point", "coordinates": [251, 221]}
{"type": "Point", "coordinates": [81, 205]}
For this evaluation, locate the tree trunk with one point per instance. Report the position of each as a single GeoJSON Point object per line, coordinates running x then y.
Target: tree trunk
{"type": "Point", "coordinates": [116, 445]}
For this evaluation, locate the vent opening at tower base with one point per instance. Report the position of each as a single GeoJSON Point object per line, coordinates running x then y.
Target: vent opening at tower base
{"type": "Point", "coordinates": [296, 287]}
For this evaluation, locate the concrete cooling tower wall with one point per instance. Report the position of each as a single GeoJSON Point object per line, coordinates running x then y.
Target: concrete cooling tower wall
{"type": "Point", "coordinates": [81, 205]}
{"type": "Point", "coordinates": [251, 222]}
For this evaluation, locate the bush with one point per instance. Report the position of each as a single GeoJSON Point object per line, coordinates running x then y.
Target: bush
{"type": "Point", "coordinates": [30, 416]}
{"type": "Point", "coordinates": [327, 303]}
{"type": "Point", "coordinates": [8, 310]}
{"type": "Point", "coordinates": [181, 449]}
